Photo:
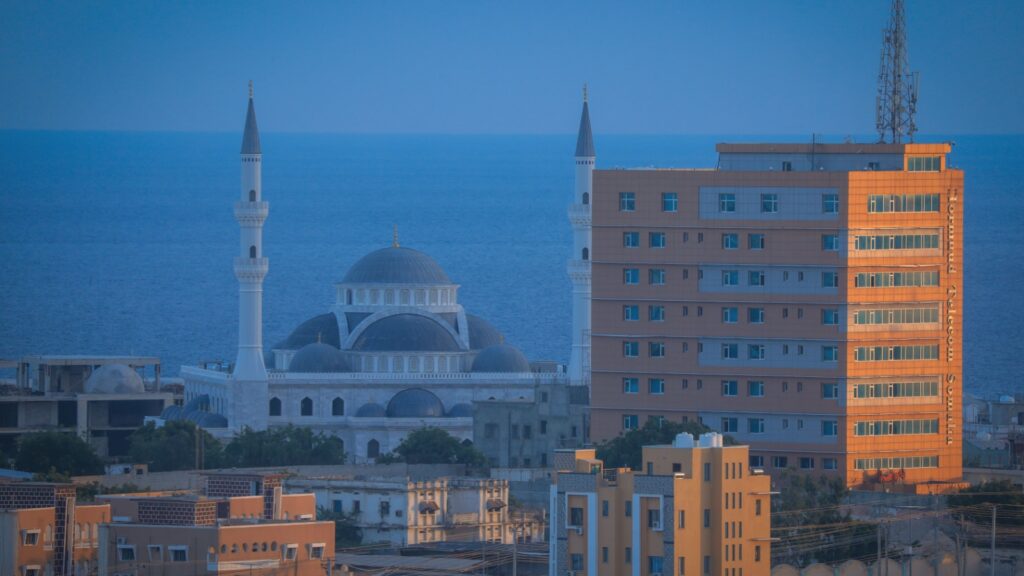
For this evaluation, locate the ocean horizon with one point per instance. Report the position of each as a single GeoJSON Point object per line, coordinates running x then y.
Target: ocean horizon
{"type": "Point", "coordinates": [123, 242]}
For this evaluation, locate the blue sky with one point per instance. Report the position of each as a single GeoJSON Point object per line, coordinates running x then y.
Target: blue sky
{"type": "Point", "coordinates": [723, 67]}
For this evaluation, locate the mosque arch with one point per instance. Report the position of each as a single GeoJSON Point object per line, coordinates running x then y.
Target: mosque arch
{"type": "Point", "coordinates": [306, 406]}
{"type": "Point", "coordinates": [372, 449]}
{"type": "Point", "coordinates": [275, 406]}
{"type": "Point", "coordinates": [586, 198]}
{"type": "Point", "coordinates": [252, 251]}
{"type": "Point", "coordinates": [252, 195]}
{"type": "Point", "coordinates": [586, 253]}
{"type": "Point", "coordinates": [338, 407]}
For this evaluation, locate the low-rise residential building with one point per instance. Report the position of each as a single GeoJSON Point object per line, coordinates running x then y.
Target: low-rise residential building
{"type": "Point", "coordinates": [695, 508]}
{"type": "Point", "coordinates": [239, 523]}
{"type": "Point", "coordinates": [43, 531]}
{"type": "Point", "coordinates": [521, 433]}
{"type": "Point", "coordinates": [403, 511]}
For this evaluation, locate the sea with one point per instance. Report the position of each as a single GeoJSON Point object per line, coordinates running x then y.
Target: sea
{"type": "Point", "coordinates": [122, 242]}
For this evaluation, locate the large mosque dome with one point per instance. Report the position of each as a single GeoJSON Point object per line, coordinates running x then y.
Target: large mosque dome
{"type": "Point", "coordinates": [396, 265]}
{"type": "Point", "coordinates": [405, 333]}
{"type": "Point", "coordinates": [481, 333]}
{"type": "Point", "coordinates": [501, 358]}
{"type": "Point", "coordinates": [319, 357]}
{"type": "Point", "coordinates": [114, 379]}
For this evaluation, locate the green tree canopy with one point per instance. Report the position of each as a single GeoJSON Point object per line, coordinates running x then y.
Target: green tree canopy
{"type": "Point", "coordinates": [57, 453]}
{"type": "Point", "coordinates": [173, 446]}
{"type": "Point", "coordinates": [347, 532]}
{"type": "Point", "coordinates": [975, 503]}
{"type": "Point", "coordinates": [626, 450]}
{"type": "Point", "coordinates": [437, 446]}
{"type": "Point", "coordinates": [288, 446]}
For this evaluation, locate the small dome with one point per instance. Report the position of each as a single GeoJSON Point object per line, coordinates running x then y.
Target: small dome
{"type": "Point", "coordinates": [171, 412]}
{"type": "Point", "coordinates": [415, 403]}
{"type": "Point", "coordinates": [406, 333]}
{"type": "Point", "coordinates": [500, 358]}
{"type": "Point", "coordinates": [322, 328]}
{"type": "Point", "coordinates": [461, 410]}
{"type": "Point", "coordinates": [114, 379]}
{"type": "Point", "coordinates": [200, 403]}
{"type": "Point", "coordinates": [481, 333]}
{"type": "Point", "coordinates": [371, 410]}
{"type": "Point", "coordinates": [396, 265]}
{"type": "Point", "coordinates": [319, 357]}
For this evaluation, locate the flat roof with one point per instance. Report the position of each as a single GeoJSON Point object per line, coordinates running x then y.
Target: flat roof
{"type": "Point", "coordinates": [845, 148]}
{"type": "Point", "coordinates": [85, 360]}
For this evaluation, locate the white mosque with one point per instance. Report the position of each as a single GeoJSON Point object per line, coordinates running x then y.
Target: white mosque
{"type": "Point", "coordinates": [395, 353]}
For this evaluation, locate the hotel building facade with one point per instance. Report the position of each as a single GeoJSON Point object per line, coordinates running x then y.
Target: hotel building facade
{"type": "Point", "coordinates": [694, 509]}
{"type": "Point", "coordinates": [803, 298]}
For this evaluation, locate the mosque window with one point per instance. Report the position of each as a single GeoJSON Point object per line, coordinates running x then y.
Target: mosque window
{"type": "Point", "coordinates": [306, 407]}
{"type": "Point", "coordinates": [586, 198]}
{"type": "Point", "coordinates": [586, 254]}
{"type": "Point", "coordinates": [338, 407]}
{"type": "Point", "coordinates": [372, 449]}
{"type": "Point", "coordinates": [348, 297]}
{"type": "Point", "coordinates": [252, 195]}
{"type": "Point", "coordinates": [252, 251]}
{"type": "Point", "coordinates": [275, 407]}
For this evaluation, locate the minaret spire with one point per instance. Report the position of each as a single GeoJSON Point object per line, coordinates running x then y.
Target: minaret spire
{"type": "Point", "coordinates": [251, 135]}
{"type": "Point", "coordinates": [394, 236]}
{"type": "Point", "coordinates": [579, 264]}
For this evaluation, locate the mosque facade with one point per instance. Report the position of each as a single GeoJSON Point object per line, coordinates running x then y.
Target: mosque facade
{"type": "Point", "coordinates": [395, 353]}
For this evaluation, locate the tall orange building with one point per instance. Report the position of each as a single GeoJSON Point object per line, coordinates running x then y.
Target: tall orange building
{"type": "Point", "coordinates": [694, 509]}
{"type": "Point", "coordinates": [802, 298]}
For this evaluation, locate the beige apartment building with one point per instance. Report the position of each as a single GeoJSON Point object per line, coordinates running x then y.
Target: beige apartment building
{"type": "Point", "coordinates": [695, 508]}
{"type": "Point", "coordinates": [805, 299]}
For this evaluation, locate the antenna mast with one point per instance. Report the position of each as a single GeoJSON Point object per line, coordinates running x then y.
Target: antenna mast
{"type": "Point", "coordinates": [896, 102]}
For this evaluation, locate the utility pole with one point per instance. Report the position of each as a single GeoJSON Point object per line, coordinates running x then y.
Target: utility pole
{"type": "Point", "coordinates": [515, 548]}
{"type": "Point", "coordinates": [993, 570]}
{"type": "Point", "coordinates": [878, 563]}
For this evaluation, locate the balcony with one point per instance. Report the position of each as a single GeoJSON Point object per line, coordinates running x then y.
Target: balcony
{"type": "Point", "coordinates": [579, 270]}
{"type": "Point", "coordinates": [251, 269]}
{"type": "Point", "coordinates": [579, 214]}
{"type": "Point", "coordinates": [251, 213]}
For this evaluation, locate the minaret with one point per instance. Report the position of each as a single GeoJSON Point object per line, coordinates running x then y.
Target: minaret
{"type": "Point", "coordinates": [579, 264]}
{"type": "Point", "coordinates": [250, 266]}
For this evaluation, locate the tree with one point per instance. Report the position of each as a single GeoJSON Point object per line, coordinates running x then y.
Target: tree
{"type": "Point", "coordinates": [56, 453]}
{"type": "Point", "coordinates": [347, 532]}
{"type": "Point", "coordinates": [813, 525]}
{"type": "Point", "coordinates": [173, 446]}
{"type": "Point", "coordinates": [437, 446]}
{"type": "Point", "coordinates": [287, 446]}
{"type": "Point", "coordinates": [626, 450]}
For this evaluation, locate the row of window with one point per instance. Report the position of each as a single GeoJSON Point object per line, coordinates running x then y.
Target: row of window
{"type": "Point", "coordinates": [897, 242]}
{"type": "Point", "coordinates": [731, 424]}
{"type": "Point", "coordinates": [656, 564]}
{"type": "Point", "coordinates": [804, 462]}
{"type": "Point", "coordinates": [894, 462]}
{"type": "Point", "coordinates": [897, 316]}
{"type": "Point", "coordinates": [924, 164]}
{"type": "Point", "coordinates": [769, 202]}
{"type": "Point", "coordinates": [656, 277]}
{"type": "Point", "coordinates": [306, 407]}
{"type": "Point", "coordinates": [755, 388]}
{"type": "Point", "coordinates": [896, 427]}
{"type": "Point", "coordinates": [731, 350]}
{"type": "Point", "coordinates": [896, 390]}
{"type": "Point", "coordinates": [903, 203]}
{"type": "Point", "coordinates": [896, 279]}
{"type": "Point", "coordinates": [895, 353]}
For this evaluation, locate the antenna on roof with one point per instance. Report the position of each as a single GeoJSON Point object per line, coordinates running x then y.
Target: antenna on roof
{"type": "Point", "coordinates": [896, 102]}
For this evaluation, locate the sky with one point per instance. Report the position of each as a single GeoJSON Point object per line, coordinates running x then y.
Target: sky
{"type": "Point", "coordinates": [490, 67]}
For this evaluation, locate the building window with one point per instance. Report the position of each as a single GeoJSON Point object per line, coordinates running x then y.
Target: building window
{"type": "Point", "coordinates": [306, 407]}
{"type": "Point", "coordinates": [755, 351]}
{"type": "Point", "coordinates": [631, 239]}
{"type": "Point", "coordinates": [730, 351]}
{"type": "Point", "coordinates": [829, 390]}
{"type": "Point", "coordinates": [316, 551]}
{"type": "Point", "coordinates": [290, 551]}
{"type": "Point", "coordinates": [628, 508]}
{"type": "Point", "coordinates": [29, 537]}
{"type": "Point", "coordinates": [252, 251]}
{"type": "Point", "coordinates": [627, 201]}
{"type": "Point", "coordinates": [730, 241]}
{"type": "Point", "coordinates": [896, 427]}
{"type": "Point", "coordinates": [829, 428]}
{"type": "Point", "coordinates": [755, 388]}
{"type": "Point", "coordinates": [890, 463]}
{"type": "Point", "coordinates": [829, 280]}
{"type": "Point", "coordinates": [769, 203]}
{"type": "Point", "coordinates": [604, 508]}
{"type": "Point", "coordinates": [730, 424]}
{"type": "Point", "coordinates": [604, 554]}
{"type": "Point", "coordinates": [630, 312]}
{"type": "Point", "coordinates": [806, 463]}
{"type": "Point", "coordinates": [730, 277]}
{"type": "Point", "coordinates": [656, 276]}
{"type": "Point", "coordinates": [669, 202]}
{"type": "Point", "coordinates": [780, 462]}
{"type": "Point", "coordinates": [655, 564]}
{"type": "Point", "coordinates": [178, 553]}
{"type": "Point", "coordinates": [895, 353]}
{"type": "Point", "coordinates": [126, 553]}
{"type": "Point", "coordinates": [730, 315]}
{"type": "Point", "coordinates": [630, 385]}
{"type": "Point", "coordinates": [829, 464]}
{"type": "Point", "coordinates": [655, 386]}
{"type": "Point", "coordinates": [656, 313]}
{"type": "Point", "coordinates": [896, 316]}
{"type": "Point", "coordinates": [707, 515]}
{"type": "Point", "coordinates": [830, 203]}
{"type": "Point", "coordinates": [896, 279]}
{"type": "Point", "coordinates": [829, 316]}
{"type": "Point", "coordinates": [897, 242]}
{"type": "Point", "coordinates": [654, 519]}
{"type": "Point", "coordinates": [829, 353]}
{"type": "Point", "coordinates": [757, 462]}
{"type": "Point", "coordinates": [730, 388]}
{"type": "Point", "coordinates": [656, 349]}
{"type": "Point", "coordinates": [631, 349]}
{"type": "Point", "coordinates": [896, 390]}
{"type": "Point", "coordinates": [656, 239]}
{"type": "Point", "coordinates": [726, 202]}
{"type": "Point", "coordinates": [755, 278]}
{"type": "Point", "coordinates": [755, 425]}
{"type": "Point", "coordinates": [630, 275]}
{"type": "Point", "coordinates": [755, 315]}
{"type": "Point", "coordinates": [755, 241]}
{"type": "Point", "coordinates": [880, 203]}
{"type": "Point", "coordinates": [275, 406]}
{"type": "Point", "coordinates": [830, 242]}
{"type": "Point", "coordinates": [630, 422]}
{"type": "Point", "coordinates": [372, 449]}
{"type": "Point", "coordinates": [576, 517]}
{"type": "Point", "coordinates": [924, 164]}
{"type": "Point", "coordinates": [337, 407]}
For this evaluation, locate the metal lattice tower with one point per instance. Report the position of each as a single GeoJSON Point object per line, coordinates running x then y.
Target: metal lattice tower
{"type": "Point", "coordinates": [896, 102]}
